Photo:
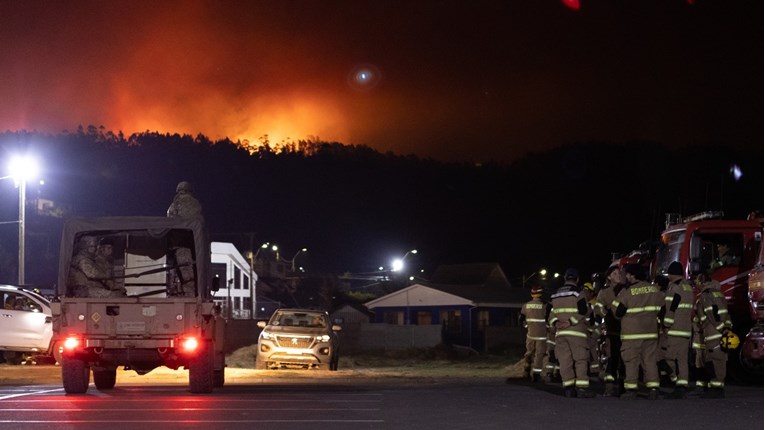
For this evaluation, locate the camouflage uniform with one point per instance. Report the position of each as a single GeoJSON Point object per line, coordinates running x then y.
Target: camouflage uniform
{"type": "Point", "coordinates": [84, 276]}
{"type": "Point", "coordinates": [184, 205]}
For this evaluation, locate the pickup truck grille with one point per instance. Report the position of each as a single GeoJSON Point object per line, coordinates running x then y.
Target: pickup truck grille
{"type": "Point", "coordinates": [294, 341]}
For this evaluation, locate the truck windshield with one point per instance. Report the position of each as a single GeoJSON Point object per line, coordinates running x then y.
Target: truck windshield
{"type": "Point", "coordinates": [669, 250]}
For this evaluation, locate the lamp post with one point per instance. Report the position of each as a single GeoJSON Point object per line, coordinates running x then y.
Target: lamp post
{"type": "Point", "coordinates": [22, 169]}
{"type": "Point", "coordinates": [525, 278]}
{"type": "Point", "coordinates": [398, 264]}
{"type": "Point", "coordinates": [295, 256]}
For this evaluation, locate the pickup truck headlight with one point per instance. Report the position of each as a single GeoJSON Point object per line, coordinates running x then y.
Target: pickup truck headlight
{"type": "Point", "coordinates": [322, 338]}
{"type": "Point", "coordinates": [266, 335]}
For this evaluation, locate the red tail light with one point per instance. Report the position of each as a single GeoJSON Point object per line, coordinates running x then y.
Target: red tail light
{"type": "Point", "coordinates": [189, 344]}
{"type": "Point", "coordinates": [71, 343]}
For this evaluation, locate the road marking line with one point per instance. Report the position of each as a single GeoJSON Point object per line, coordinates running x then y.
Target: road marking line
{"type": "Point", "coordinates": [31, 393]}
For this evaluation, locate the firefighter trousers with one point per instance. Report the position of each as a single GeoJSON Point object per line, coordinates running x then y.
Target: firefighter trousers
{"type": "Point", "coordinates": [573, 355]}
{"type": "Point", "coordinates": [535, 354]}
{"type": "Point", "coordinates": [637, 354]}
{"type": "Point", "coordinates": [676, 355]}
{"type": "Point", "coordinates": [715, 363]}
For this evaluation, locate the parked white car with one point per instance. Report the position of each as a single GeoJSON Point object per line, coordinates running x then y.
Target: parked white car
{"type": "Point", "coordinates": [25, 325]}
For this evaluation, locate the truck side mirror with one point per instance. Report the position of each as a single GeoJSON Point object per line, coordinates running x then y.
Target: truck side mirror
{"type": "Point", "coordinates": [215, 283]}
{"type": "Point", "coordinates": [695, 251]}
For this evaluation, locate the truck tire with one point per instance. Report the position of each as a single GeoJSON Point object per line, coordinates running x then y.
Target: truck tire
{"type": "Point", "coordinates": [105, 379]}
{"type": "Point", "coordinates": [13, 357]}
{"type": "Point", "coordinates": [75, 375]}
{"type": "Point", "coordinates": [201, 370]}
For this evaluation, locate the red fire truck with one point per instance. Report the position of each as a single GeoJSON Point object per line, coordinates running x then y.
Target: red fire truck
{"type": "Point", "coordinates": [731, 252]}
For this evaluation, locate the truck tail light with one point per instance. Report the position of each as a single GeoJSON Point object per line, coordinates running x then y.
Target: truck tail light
{"type": "Point", "coordinates": [189, 344]}
{"type": "Point", "coordinates": [72, 343]}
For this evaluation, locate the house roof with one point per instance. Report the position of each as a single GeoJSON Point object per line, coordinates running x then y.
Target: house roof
{"type": "Point", "coordinates": [482, 284]}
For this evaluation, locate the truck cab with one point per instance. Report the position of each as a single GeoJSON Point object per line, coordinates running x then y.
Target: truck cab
{"type": "Point", "coordinates": [149, 304]}
{"type": "Point", "coordinates": [727, 249]}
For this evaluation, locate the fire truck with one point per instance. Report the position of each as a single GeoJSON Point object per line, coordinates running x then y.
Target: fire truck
{"type": "Point", "coordinates": [730, 250]}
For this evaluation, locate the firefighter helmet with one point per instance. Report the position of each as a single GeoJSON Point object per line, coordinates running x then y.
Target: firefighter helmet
{"type": "Point", "coordinates": [536, 291]}
{"type": "Point", "coordinates": [729, 341]}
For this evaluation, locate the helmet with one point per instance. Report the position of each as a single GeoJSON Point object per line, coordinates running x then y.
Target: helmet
{"type": "Point", "coordinates": [536, 291]}
{"type": "Point", "coordinates": [589, 286]}
{"type": "Point", "coordinates": [87, 241]}
{"type": "Point", "coordinates": [729, 341]}
{"type": "Point", "coordinates": [183, 186]}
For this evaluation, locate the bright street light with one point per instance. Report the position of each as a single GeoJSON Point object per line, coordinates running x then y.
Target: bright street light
{"type": "Point", "coordinates": [542, 272]}
{"type": "Point", "coordinates": [22, 169]}
{"type": "Point", "coordinates": [295, 256]}
{"type": "Point", "coordinates": [398, 264]}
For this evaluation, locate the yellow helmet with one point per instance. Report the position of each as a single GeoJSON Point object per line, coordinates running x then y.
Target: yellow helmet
{"type": "Point", "coordinates": [729, 341]}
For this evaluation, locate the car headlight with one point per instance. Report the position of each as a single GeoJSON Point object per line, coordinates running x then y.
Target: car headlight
{"type": "Point", "coordinates": [322, 338]}
{"type": "Point", "coordinates": [266, 335]}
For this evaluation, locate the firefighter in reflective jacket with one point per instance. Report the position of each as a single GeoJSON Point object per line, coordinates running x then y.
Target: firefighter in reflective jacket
{"type": "Point", "coordinates": [614, 374]}
{"type": "Point", "coordinates": [569, 316]}
{"type": "Point", "coordinates": [639, 305]}
{"type": "Point", "coordinates": [677, 326]}
{"type": "Point", "coordinates": [533, 319]}
{"type": "Point", "coordinates": [712, 312]}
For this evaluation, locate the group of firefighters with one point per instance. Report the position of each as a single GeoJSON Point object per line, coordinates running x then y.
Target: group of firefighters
{"type": "Point", "coordinates": [620, 325]}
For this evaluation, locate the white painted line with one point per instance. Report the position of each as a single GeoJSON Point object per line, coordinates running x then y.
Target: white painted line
{"type": "Point", "coordinates": [30, 393]}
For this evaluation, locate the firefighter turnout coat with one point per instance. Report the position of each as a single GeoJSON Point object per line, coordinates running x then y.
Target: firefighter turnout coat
{"type": "Point", "coordinates": [569, 316]}
{"type": "Point", "coordinates": [639, 306]}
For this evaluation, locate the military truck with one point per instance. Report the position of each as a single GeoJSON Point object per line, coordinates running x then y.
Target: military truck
{"type": "Point", "coordinates": [157, 309]}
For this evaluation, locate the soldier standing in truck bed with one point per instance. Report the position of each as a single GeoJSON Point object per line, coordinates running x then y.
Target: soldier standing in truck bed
{"type": "Point", "coordinates": [184, 205]}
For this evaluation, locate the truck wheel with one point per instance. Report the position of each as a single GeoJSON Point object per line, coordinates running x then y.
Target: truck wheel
{"type": "Point", "coordinates": [13, 357]}
{"type": "Point", "coordinates": [75, 375]}
{"type": "Point", "coordinates": [105, 379]}
{"type": "Point", "coordinates": [260, 364]}
{"type": "Point", "coordinates": [201, 370]}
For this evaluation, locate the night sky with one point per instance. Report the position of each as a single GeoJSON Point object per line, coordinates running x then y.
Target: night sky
{"type": "Point", "coordinates": [473, 80]}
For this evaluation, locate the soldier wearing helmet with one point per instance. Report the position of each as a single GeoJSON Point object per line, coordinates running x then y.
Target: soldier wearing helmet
{"type": "Point", "coordinates": [184, 203]}
{"type": "Point", "coordinates": [533, 318]}
{"type": "Point", "coordinates": [84, 279]}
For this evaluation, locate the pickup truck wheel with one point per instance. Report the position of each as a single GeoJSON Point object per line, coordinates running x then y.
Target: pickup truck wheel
{"type": "Point", "coordinates": [105, 379]}
{"type": "Point", "coordinates": [13, 357]}
{"type": "Point", "coordinates": [201, 370]}
{"type": "Point", "coordinates": [75, 375]}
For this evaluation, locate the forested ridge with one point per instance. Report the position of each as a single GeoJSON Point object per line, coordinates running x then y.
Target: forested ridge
{"type": "Point", "coordinates": [356, 208]}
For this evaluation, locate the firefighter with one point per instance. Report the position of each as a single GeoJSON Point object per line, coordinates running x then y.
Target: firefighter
{"type": "Point", "coordinates": [593, 328]}
{"type": "Point", "coordinates": [677, 327]}
{"type": "Point", "coordinates": [569, 317]}
{"type": "Point", "coordinates": [533, 319]}
{"type": "Point", "coordinates": [639, 305]}
{"type": "Point", "coordinates": [611, 331]}
{"type": "Point", "coordinates": [712, 312]}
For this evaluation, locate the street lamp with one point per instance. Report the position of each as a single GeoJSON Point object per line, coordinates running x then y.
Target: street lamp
{"type": "Point", "coordinates": [295, 256]}
{"type": "Point", "coordinates": [22, 169]}
{"type": "Point", "coordinates": [398, 263]}
{"type": "Point", "coordinates": [525, 278]}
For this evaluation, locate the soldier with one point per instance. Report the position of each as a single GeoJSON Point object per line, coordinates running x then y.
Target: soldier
{"type": "Point", "coordinates": [639, 305]}
{"type": "Point", "coordinates": [569, 316]}
{"type": "Point", "coordinates": [104, 263]}
{"type": "Point", "coordinates": [84, 278]}
{"type": "Point", "coordinates": [533, 319]}
{"type": "Point", "coordinates": [677, 327]}
{"type": "Point", "coordinates": [614, 375]}
{"type": "Point", "coordinates": [184, 203]}
{"type": "Point", "coordinates": [712, 312]}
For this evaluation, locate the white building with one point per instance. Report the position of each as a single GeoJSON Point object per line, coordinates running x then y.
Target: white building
{"type": "Point", "coordinates": [237, 288]}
